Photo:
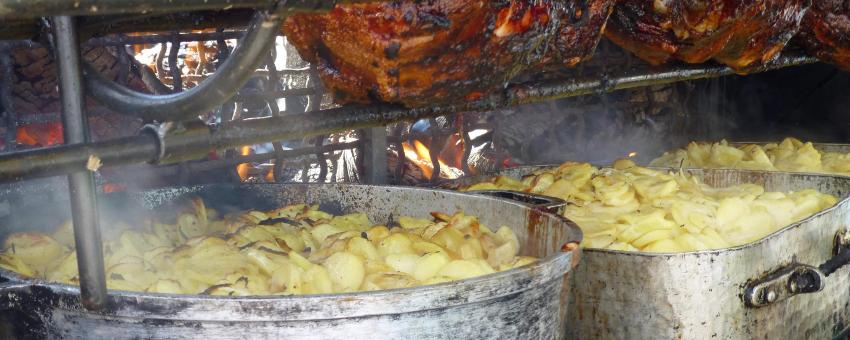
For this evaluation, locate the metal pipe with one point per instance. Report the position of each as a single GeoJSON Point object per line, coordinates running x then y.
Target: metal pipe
{"type": "Point", "coordinates": [81, 183]}
{"type": "Point", "coordinates": [210, 93]}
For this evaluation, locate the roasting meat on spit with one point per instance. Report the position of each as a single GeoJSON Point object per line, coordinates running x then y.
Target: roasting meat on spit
{"type": "Point", "coordinates": [826, 31]}
{"type": "Point", "coordinates": [441, 51]}
{"type": "Point", "coordinates": [736, 33]}
{"type": "Point", "coordinates": [789, 155]}
{"type": "Point", "coordinates": [292, 250]}
{"type": "Point", "coordinates": [631, 208]}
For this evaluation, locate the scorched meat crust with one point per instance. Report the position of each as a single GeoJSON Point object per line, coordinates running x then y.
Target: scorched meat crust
{"type": "Point", "coordinates": [738, 33]}
{"type": "Point", "coordinates": [441, 51]}
{"type": "Point", "coordinates": [826, 31]}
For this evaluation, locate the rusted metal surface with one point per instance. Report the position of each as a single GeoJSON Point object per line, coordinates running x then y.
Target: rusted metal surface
{"type": "Point", "coordinates": [699, 295]}
{"type": "Point", "coordinates": [526, 303]}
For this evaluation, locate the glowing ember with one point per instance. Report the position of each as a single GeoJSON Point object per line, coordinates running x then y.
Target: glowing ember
{"type": "Point", "coordinates": [242, 169]}
{"type": "Point", "coordinates": [40, 134]}
{"type": "Point", "coordinates": [114, 187]}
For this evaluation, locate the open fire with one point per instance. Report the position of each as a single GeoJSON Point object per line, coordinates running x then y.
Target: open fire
{"type": "Point", "coordinates": [420, 155]}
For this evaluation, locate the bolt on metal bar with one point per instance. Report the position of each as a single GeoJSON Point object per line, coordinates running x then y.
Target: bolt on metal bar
{"type": "Point", "coordinates": [81, 183]}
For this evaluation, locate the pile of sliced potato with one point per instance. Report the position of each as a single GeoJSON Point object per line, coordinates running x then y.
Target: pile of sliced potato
{"type": "Point", "coordinates": [296, 249]}
{"type": "Point", "coordinates": [632, 208]}
{"type": "Point", "coordinates": [789, 155]}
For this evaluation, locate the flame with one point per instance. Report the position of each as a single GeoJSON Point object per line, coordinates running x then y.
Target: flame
{"type": "Point", "coordinates": [270, 175]}
{"type": "Point", "coordinates": [420, 155]}
{"type": "Point", "coordinates": [632, 154]}
{"type": "Point", "coordinates": [242, 169]}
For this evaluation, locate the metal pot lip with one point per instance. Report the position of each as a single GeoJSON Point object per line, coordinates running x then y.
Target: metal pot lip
{"type": "Point", "coordinates": [309, 307]}
{"type": "Point", "coordinates": [448, 294]}
{"type": "Point", "coordinates": [590, 251]}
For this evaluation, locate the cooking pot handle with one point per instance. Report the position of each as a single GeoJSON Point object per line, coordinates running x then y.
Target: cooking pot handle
{"type": "Point", "coordinates": [797, 278]}
{"type": "Point", "coordinates": [552, 204]}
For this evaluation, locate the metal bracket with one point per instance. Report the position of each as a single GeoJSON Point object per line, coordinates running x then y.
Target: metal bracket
{"type": "Point", "coordinates": [797, 278]}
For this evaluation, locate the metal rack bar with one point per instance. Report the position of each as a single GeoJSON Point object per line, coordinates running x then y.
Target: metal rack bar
{"type": "Point", "coordinates": [131, 23]}
{"type": "Point", "coordinates": [200, 167]}
{"type": "Point", "coordinates": [562, 88]}
{"type": "Point", "coordinates": [81, 183]}
{"type": "Point", "coordinates": [160, 38]}
{"type": "Point", "coordinates": [34, 8]}
{"type": "Point", "coordinates": [145, 147]}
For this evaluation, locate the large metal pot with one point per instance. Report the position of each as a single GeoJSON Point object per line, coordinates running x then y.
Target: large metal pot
{"type": "Point", "coordinates": [790, 285]}
{"type": "Point", "coordinates": [527, 302]}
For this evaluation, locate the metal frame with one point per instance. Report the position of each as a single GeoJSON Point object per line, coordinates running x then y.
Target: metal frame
{"type": "Point", "coordinates": [175, 142]}
{"type": "Point", "coordinates": [234, 72]}
{"type": "Point", "coordinates": [81, 183]}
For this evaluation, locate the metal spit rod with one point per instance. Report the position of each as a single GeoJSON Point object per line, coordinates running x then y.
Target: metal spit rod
{"type": "Point", "coordinates": [81, 183]}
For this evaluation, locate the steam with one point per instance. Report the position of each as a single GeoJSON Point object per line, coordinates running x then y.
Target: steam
{"type": "Point", "coordinates": [597, 129]}
{"type": "Point", "coordinates": [807, 102]}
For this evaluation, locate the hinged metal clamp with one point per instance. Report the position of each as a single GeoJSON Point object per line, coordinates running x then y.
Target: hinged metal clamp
{"type": "Point", "coordinates": [180, 141]}
{"type": "Point", "coordinates": [797, 278]}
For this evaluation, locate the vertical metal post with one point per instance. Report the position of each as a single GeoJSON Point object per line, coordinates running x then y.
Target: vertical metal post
{"type": "Point", "coordinates": [173, 68]}
{"type": "Point", "coordinates": [375, 156]}
{"type": "Point", "coordinates": [11, 118]}
{"type": "Point", "coordinates": [81, 184]}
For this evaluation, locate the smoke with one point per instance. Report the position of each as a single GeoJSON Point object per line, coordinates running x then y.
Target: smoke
{"type": "Point", "coordinates": [598, 129]}
{"type": "Point", "coordinates": [807, 102]}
